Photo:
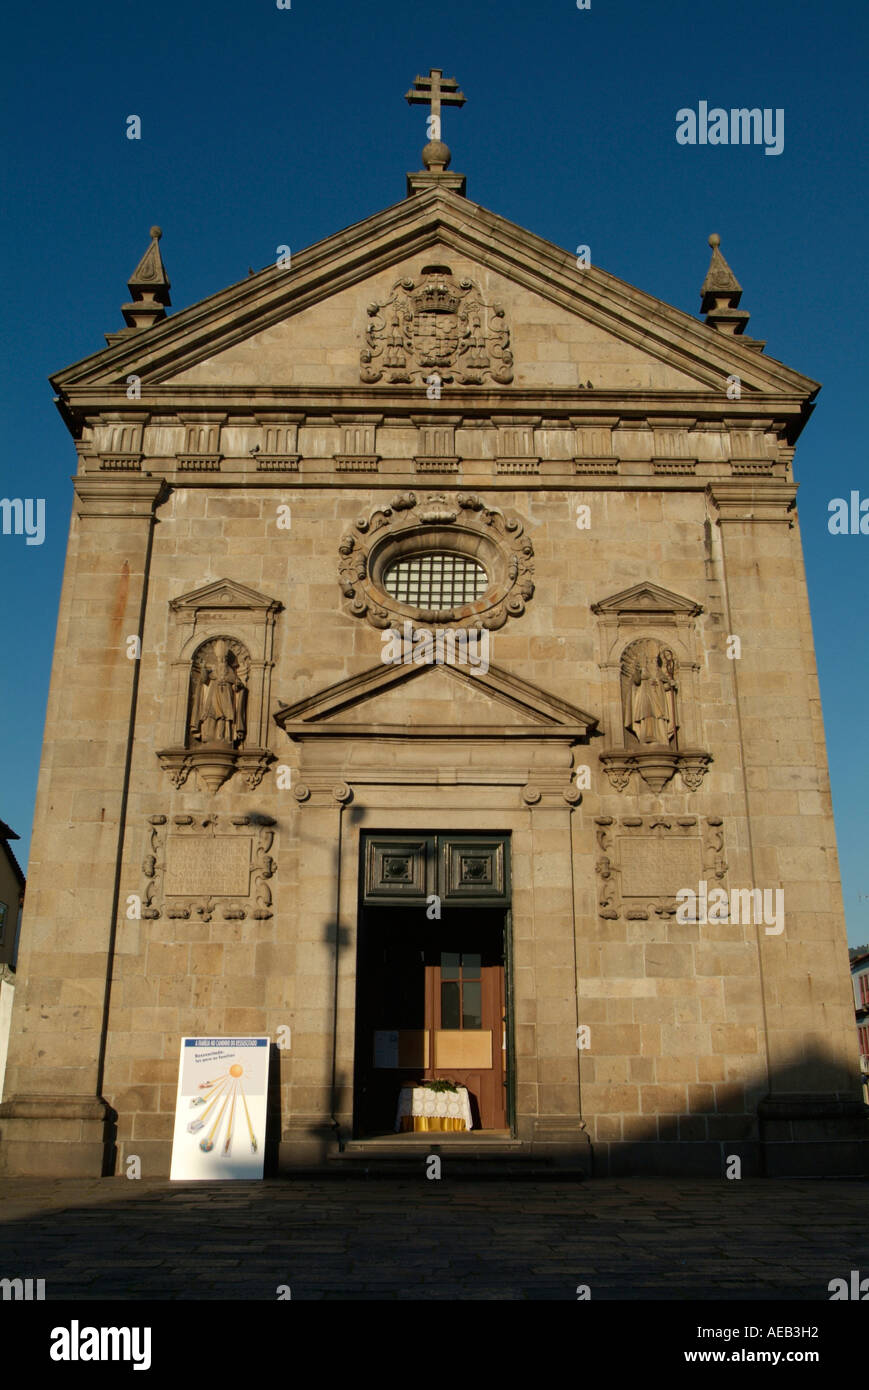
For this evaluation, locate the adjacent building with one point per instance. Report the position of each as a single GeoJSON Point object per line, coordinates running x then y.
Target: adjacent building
{"type": "Point", "coordinates": [12, 885]}
{"type": "Point", "coordinates": [860, 976]}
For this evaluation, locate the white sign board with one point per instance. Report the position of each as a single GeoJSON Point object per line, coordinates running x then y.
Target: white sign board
{"type": "Point", "coordinates": [220, 1112]}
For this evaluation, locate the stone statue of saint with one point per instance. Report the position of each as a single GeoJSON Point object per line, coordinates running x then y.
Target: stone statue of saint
{"type": "Point", "coordinates": [220, 700]}
{"type": "Point", "coordinates": [649, 692]}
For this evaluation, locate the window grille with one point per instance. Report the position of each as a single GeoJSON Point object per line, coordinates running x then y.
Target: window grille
{"type": "Point", "coordinates": [436, 581]}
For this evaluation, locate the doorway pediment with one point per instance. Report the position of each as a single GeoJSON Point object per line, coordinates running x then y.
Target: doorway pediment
{"type": "Point", "coordinates": [438, 700]}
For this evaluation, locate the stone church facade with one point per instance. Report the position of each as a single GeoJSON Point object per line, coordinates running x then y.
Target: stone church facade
{"type": "Point", "coordinates": [434, 619]}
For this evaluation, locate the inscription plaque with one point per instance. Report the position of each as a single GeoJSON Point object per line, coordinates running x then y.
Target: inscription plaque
{"type": "Point", "coordinates": [653, 867]}
{"type": "Point", "coordinates": [214, 865]}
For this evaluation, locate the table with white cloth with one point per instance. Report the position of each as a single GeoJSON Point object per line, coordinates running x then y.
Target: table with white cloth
{"type": "Point", "coordinates": [420, 1109]}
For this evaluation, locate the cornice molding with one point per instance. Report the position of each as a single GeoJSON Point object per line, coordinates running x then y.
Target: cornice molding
{"type": "Point", "coordinates": [742, 500]}
{"type": "Point", "coordinates": [98, 495]}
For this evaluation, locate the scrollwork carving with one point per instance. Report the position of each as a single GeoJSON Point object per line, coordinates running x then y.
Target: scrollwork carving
{"type": "Point", "coordinates": [253, 866]}
{"type": "Point", "coordinates": [655, 766]}
{"type": "Point", "coordinates": [410, 526]}
{"type": "Point", "coordinates": [713, 847]}
{"type": "Point", "coordinates": [264, 868]}
{"type": "Point", "coordinates": [436, 324]}
{"type": "Point", "coordinates": [637, 884]}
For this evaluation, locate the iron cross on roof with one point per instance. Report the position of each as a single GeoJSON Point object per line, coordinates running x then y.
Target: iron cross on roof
{"type": "Point", "coordinates": [436, 91]}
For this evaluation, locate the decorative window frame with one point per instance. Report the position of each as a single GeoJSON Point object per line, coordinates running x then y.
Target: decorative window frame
{"type": "Point", "coordinates": [461, 524]}
{"type": "Point", "coordinates": [646, 610]}
{"type": "Point", "coordinates": [232, 611]}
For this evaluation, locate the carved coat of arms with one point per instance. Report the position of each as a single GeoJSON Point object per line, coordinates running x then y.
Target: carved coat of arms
{"type": "Point", "coordinates": [436, 324]}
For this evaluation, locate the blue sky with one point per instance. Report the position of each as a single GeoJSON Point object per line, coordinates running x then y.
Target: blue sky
{"type": "Point", "coordinates": [263, 127]}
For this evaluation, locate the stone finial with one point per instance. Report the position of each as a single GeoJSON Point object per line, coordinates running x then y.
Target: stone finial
{"type": "Point", "coordinates": [436, 91]}
{"type": "Point", "coordinates": [149, 287]}
{"type": "Point", "coordinates": [721, 294]}
{"type": "Point", "coordinates": [436, 156]}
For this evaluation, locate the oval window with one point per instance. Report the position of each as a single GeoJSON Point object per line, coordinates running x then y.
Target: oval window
{"type": "Point", "coordinates": [435, 581]}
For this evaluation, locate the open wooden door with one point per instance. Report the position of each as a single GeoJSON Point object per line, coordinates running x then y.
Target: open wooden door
{"type": "Point", "coordinates": [430, 988]}
{"type": "Point", "coordinates": [466, 1019]}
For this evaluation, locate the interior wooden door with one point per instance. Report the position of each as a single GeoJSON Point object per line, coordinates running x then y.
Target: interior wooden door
{"type": "Point", "coordinates": [466, 1018]}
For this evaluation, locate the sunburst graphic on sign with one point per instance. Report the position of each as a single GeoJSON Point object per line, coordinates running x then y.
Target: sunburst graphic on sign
{"type": "Point", "coordinates": [222, 1095]}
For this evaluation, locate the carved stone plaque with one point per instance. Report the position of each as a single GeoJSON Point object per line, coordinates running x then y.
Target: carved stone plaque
{"type": "Point", "coordinates": [659, 868]}
{"type": "Point", "coordinates": [216, 865]}
{"type": "Point", "coordinates": [645, 860]}
{"type": "Point", "coordinates": [208, 865]}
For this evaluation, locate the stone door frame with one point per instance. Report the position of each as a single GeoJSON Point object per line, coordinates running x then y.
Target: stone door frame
{"type": "Point", "coordinates": [431, 800]}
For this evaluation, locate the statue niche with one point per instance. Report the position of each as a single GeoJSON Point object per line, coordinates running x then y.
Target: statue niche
{"type": "Point", "coordinates": [653, 709]}
{"type": "Point", "coordinates": [220, 685]}
{"type": "Point", "coordinates": [218, 694]}
{"type": "Point", "coordinates": [649, 690]}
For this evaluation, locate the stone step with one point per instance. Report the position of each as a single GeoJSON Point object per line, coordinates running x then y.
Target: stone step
{"type": "Point", "coordinates": [493, 1160]}
{"type": "Point", "coordinates": [417, 1153]}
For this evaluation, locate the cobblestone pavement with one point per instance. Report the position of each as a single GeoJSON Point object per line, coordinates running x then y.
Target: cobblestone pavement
{"type": "Point", "coordinates": [416, 1239]}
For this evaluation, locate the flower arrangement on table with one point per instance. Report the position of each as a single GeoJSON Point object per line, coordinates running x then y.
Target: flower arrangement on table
{"type": "Point", "coordinates": [442, 1085]}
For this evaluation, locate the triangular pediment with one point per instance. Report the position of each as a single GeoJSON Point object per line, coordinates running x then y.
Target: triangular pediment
{"type": "Point", "coordinates": [647, 598]}
{"type": "Point", "coordinates": [435, 700]}
{"type": "Point", "coordinates": [228, 594]}
{"type": "Point", "coordinates": [302, 327]}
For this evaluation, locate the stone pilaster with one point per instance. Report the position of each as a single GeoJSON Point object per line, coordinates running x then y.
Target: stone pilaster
{"type": "Point", "coordinates": [813, 1118]}
{"type": "Point", "coordinates": [54, 1121]}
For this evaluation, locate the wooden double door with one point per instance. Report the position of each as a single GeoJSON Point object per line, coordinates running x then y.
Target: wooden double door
{"type": "Point", "coordinates": [431, 1004]}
